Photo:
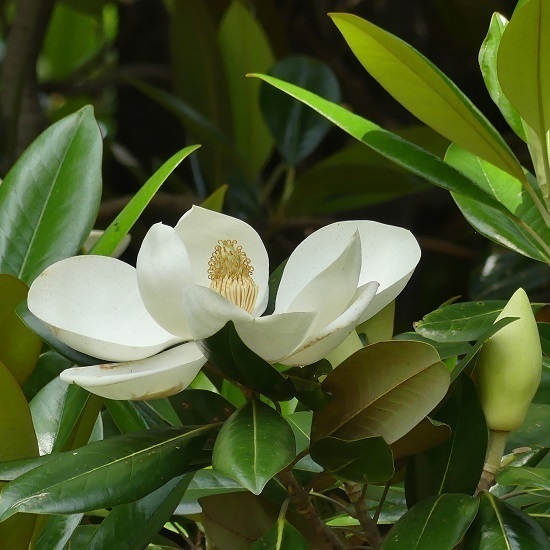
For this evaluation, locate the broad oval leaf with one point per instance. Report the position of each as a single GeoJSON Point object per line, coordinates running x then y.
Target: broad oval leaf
{"type": "Point", "coordinates": [19, 346]}
{"type": "Point", "coordinates": [49, 199]}
{"type": "Point", "coordinates": [521, 227]}
{"type": "Point", "coordinates": [499, 525]}
{"type": "Point", "coordinates": [404, 153]}
{"type": "Point", "coordinates": [526, 477]}
{"type": "Point", "coordinates": [298, 131]}
{"type": "Point", "coordinates": [425, 91]}
{"type": "Point", "coordinates": [57, 531]}
{"type": "Point", "coordinates": [17, 441]}
{"type": "Point", "coordinates": [385, 390]}
{"type": "Point", "coordinates": [282, 536]}
{"type": "Point", "coordinates": [253, 445]}
{"type": "Point", "coordinates": [524, 64]}
{"type": "Point", "coordinates": [437, 522]}
{"type": "Point", "coordinates": [244, 47]}
{"type": "Point", "coordinates": [104, 473]}
{"type": "Point", "coordinates": [366, 460]}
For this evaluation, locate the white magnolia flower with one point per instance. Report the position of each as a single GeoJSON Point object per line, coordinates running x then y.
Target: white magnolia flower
{"type": "Point", "coordinates": [211, 268]}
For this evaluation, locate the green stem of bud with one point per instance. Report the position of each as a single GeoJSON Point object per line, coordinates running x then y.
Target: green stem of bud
{"type": "Point", "coordinates": [493, 457]}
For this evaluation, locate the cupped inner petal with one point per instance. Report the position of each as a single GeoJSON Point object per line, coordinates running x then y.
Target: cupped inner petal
{"type": "Point", "coordinates": [162, 375]}
{"type": "Point", "coordinates": [207, 311]}
{"type": "Point", "coordinates": [202, 230]}
{"type": "Point", "coordinates": [163, 272]}
{"type": "Point", "coordinates": [93, 304]}
{"type": "Point", "coordinates": [321, 343]}
{"type": "Point", "coordinates": [275, 336]}
{"type": "Point", "coordinates": [330, 291]}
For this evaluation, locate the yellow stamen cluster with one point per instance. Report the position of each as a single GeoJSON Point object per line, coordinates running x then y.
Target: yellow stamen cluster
{"type": "Point", "coordinates": [230, 274]}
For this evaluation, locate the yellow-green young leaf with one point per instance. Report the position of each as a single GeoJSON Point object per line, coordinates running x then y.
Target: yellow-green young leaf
{"type": "Point", "coordinates": [524, 64]}
{"type": "Point", "coordinates": [19, 346]}
{"type": "Point", "coordinates": [425, 91]}
{"type": "Point", "coordinates": [244, 48]}
{"type": "Point", "coordinates": [17, 440]}
{"type": "Point", "coordinates": [216, 199]}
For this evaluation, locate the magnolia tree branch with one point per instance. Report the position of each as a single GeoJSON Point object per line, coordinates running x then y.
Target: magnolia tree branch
{"type": "Point", "coordinates": [21, 111]}
{"type": "Point", "coordinates": [304, 505]}
{"type": "Point", "coordinates": [356, 494]}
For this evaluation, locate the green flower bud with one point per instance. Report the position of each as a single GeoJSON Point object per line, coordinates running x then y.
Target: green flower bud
{"type": "Point", "coordinates": [509, 367]}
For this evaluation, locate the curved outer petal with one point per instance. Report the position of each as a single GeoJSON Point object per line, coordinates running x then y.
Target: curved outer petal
{"type": "Point", "coordinates": [275, 336]}
{"type": "Point", "coordinates": [322, 343]}
{"type": "Point", "coordinates": [331, 291]}
{"type": "Point", "coordinates": [163, 272]}
{"type": "Point", "coordinates": [201, 229]}
{"type": "Point", "coordinates": [207, 311]}
{"type": "Point", "coordinates": [389, 255]}
{"type": "Point", "coordinates": [162, 375]}
{"type": "Point", "coordinates": [92, 303]}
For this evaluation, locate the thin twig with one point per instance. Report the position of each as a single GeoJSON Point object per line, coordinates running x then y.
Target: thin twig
{"type": "Point", "coordinates": [333, 501]}
{"type": "Point", "coordinates": [381, 503]}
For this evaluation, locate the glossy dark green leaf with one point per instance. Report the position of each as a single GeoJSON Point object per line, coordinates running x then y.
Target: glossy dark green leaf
{"type": "Point", "coordinates": [445, 350]}
{"type": "Point", "coordinates": [454, 466]}
{"type": "Point", "coordinates": [206, 482]}
{"type": "Point", "coordinates": [404, 153]}
{"type": "Point", "coordinates": [461, 322]}
{"type": "Point", "coordinates": [45, 216]}
{"type": "Point", "coordinates": [12, 469]}
{"type": "Point", "coordinates": [121, 225]}
{"type": "Point", "coordinates": [196, 407]}
{"type": "Point", "coordinates": [226, 350]}
{"type": "Point", "coordinates": [17, 441]}
{"type": "Point", "coordinates": [50, 365]}
{"type": "Point", "coordinates": [425, 435]}
{"type": "Point", "coordinates": [526, 477]}
{"type": "Point", "coordinates": [534, 430]}
{"type": "Point", "coordinates": [103, 474]}
{"type": "Point", "coordinates": [306, 381]}
{"type": "Point", "coordinates": [281, 536]}
{"type": "Point", "coordinates": [425, 91]}
{"type": "Point", "coordinates": [521, 226]}
{"type": "Point", "coordinates": [38, 327]}
{"type": "Point", "coordinates": [297, 130]}
{"type": "Point", "coordinates": [488, 64]}
{"type": "Point", "coordinates": [126, 416]}
{"type": "Point", "coordinates": [133, 525]}
{"type": "Point", "coordinates": [499, 525]}
{"type": "Point", "coordinates": [366, 460]}
{"type": "Point", "coordinates": [57, 531]}
{"type": "Point", "coordinates": [253, 445]}
{"type": "Point", "coordinates": [395, 385]}
{"type": "Point", "coordinates": [19, 346]}
{"type": "Point", "coordinates": [437, 522]}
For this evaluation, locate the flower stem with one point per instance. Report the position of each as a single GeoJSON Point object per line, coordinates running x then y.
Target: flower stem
{"type": "Point", "coordinates": [495, 450]}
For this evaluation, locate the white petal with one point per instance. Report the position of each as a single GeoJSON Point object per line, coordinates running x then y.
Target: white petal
{"type": "Point", "coordinates": [207, 311]}
{"type": "Point", "coordinates": [320, 344]}
{"type": "Point", "coordinates": [330, 292]}
{"type": "Point", "coordinates": [201, 229]}
{"type": "Point", "coordinates": [275, 336]}
{"type": "Point", "coordinates": [162, 375]}
{"type": "Point", "coordinates": [94, 236]}
{"type": "Point", "coordinates": [92, 303]}
{"type": "Point", "coordinates": [389, 255]}
{"type": "Point", "coordinates": [163, 271]}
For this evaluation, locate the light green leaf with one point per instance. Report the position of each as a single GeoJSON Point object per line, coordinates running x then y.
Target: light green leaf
{"type": "Point", "coordinates": [402, 152]}
{"type": "Point", "coordinates": [122, 224]}
{"type": "Point", "coordinates": [19, 346]}
{"type": "Point", "coordinates": [425, 91]}
{"type": "Point", "coordinates": [282, 536]}
{"type": "Point", "coordinates": [395, 385]}
{"type": "Point", "coordinates": [216, 199]}
{"type": "Point", "coordinates": [488, 64]}
{"type": "Point", "coordinates": [253, 445]}
{"type": "Point", "coordinates": [437, 522]}
{"type": "Point", "coordinates": [49, 199]}
{"type": "Point", "coordinates": [244, 47]}
{"type": "Point", "coordinates": [526, 477]}
{"type": "Point", "coordinates": [524, 64]}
